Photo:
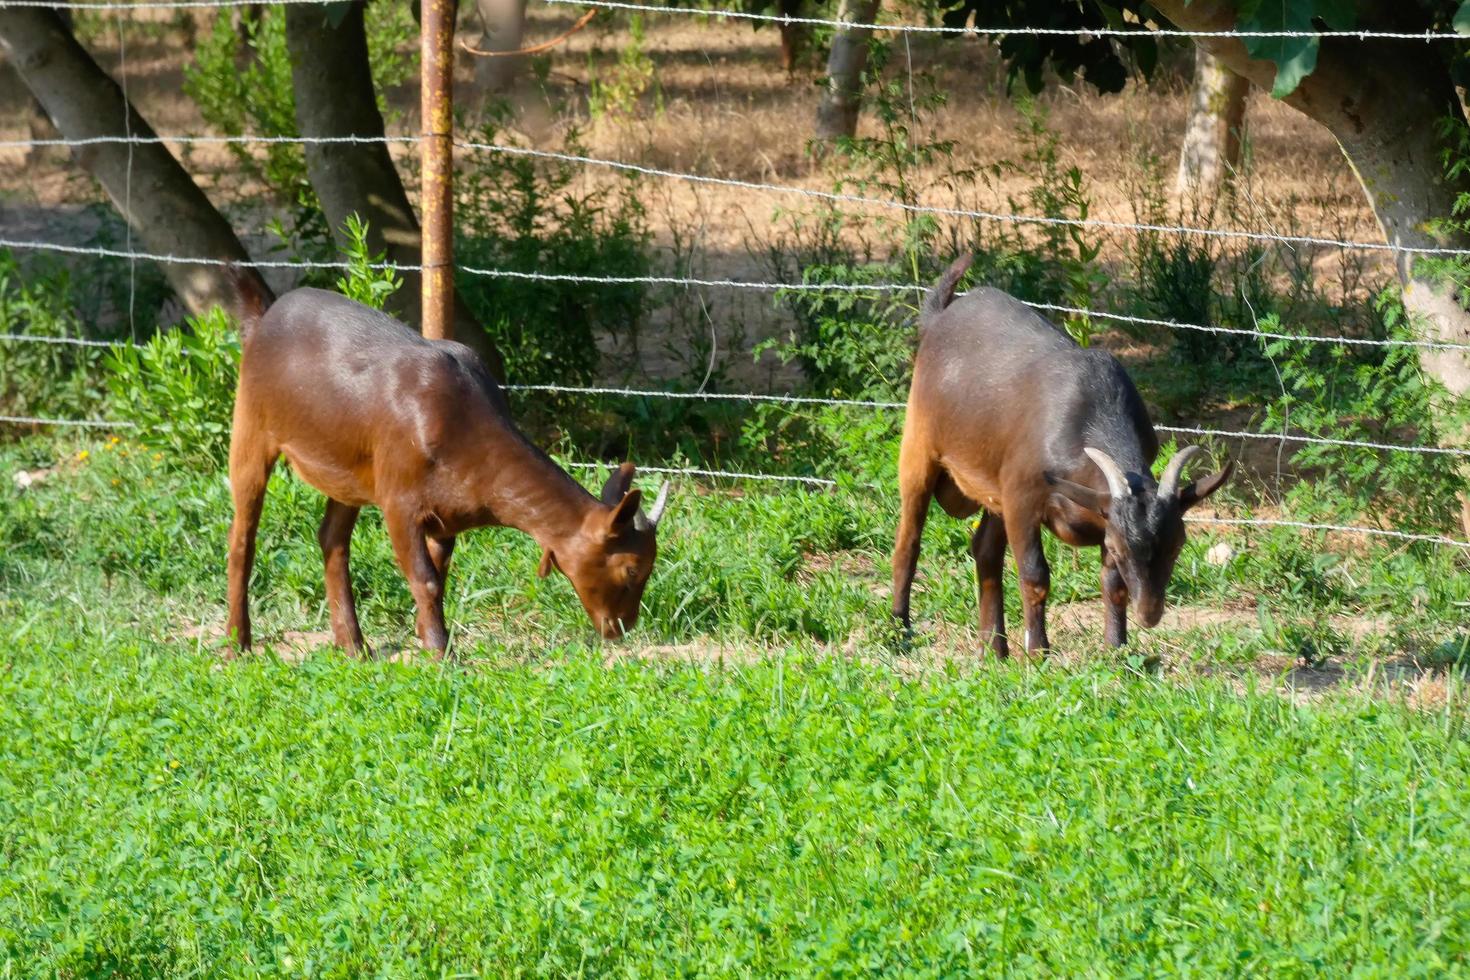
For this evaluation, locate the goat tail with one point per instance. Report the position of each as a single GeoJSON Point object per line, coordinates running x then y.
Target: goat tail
{"type": "Point", "coordinates": [252, 296]}
{"type": "Point", "coordinates": [941, 294]}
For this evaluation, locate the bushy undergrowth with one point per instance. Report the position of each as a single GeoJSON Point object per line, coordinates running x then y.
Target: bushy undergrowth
{"type": "Point", "coordinates": [178, 389]}
{"type": "Point", "coordinates": [526, 216]}
{"type": "Point", "coordinates": [38, 378]}
{"type": "Point", "coordinates": [752, 567]}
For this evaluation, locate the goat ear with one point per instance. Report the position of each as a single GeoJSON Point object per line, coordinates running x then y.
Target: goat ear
{"type": "Point", "coordinates": [618, 485]}
{"type": "Point", "coordinates": [1087, 498]}
{"type": "Point", "coordinates": [1200, 489]}
{"type": "Point", "coordinates": [548, 562]}
{"type": "Point", "coordinates": [625, 510]}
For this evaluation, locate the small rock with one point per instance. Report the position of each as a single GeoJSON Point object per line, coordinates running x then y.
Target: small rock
{"type": "Point", "coordinates": [1220, 554]}
{"type": "Point", "coordinates": [23, 480]}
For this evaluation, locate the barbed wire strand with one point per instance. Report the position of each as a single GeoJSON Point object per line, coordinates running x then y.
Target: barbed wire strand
{"type": "Point", "coordinates": [104, 252]}
{"type": "Point", "coordinates": [831, 196]}
{"type": "Point", "coordinates": [1437, 539]}
{"type": "Point", "coordinates": [844, 198]}
{"type": "Point", "coordinates": [1142, 30]}
{"type": "Point", "coordinates": [83, 423]}
{"type": "Point", "coordinates": [865, 403]}
{"type": "Point", "coordinates": [72, 341]}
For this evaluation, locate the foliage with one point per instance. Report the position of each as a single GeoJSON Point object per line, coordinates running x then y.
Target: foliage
{"type": "Point", "coordinates": [250, 92]}
{"type": "Point", "coordinates": [1104, 61]}
{"type": "Point", "coordinates": [176, 390]}
{"type": "Point", "coordinates": [368, 279]}
{"type": "Point", "coordinates": [618, 90]}
{"type": "Point", "coordinates": [1378, 394]}
{"type": "Point", "coordinates": [41, 378]}
{"type": "Point", "coordinates": [1107, 61]}
{"type": "Point", "coordinates": [521, 215]}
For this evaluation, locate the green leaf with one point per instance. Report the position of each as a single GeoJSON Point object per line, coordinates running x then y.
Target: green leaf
{"type": "Point", "coordinates": [337, 13]}
{"type": "Point", "coordinates": [1462, 18]}
{"type": "Point", "coordinates": [1295, 57]}
{"type": "Point", "coordinates": [1338, 15]}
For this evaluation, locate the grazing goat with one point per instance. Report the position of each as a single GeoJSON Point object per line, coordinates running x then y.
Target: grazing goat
{"type": "Point", "coordinates": [369, 412]}
{"type": "Point", "coordinates": [1009, 415]}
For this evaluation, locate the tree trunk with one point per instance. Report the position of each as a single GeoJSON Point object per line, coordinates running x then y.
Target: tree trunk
{"type": "Point", "coordinates": [333, 84]}
{"type": "Point", "coordinates": [503, 28]}
{"type": "Point", "coordinates": [793, 36]}
{"type": "Point", "coordinates": [1385, 101]}
{"type": "Point", "coordinates": [167, 211]}
{"type": "Point", "coordinates": [1210, 154]}
{"type": "Point", "coordinates": [837, 114]}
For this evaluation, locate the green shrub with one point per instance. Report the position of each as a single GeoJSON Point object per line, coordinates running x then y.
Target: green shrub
{"type": "Point", "coordinates": [521, 215]}
{"type": "Point", "coordinates": [41, 378]}
{"type": "Point", "coordinates": [367, 280]}
{"type": "Point", "coordinates": [1371, 394]}
{"type": "Point", "coordinates": [178, 389]}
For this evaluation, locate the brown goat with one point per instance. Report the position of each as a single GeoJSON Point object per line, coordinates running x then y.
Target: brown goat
{"type": "Point", "coordinates": [369, 412]}
{"type": "Point", "coordinates": [1009, 415]}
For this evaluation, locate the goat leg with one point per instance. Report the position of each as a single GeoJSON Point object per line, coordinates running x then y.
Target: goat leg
{"type": "Point", "coordinates": [1115, 602]}
{"type": "Point", "coordinates": [250, 471]}
{"type": "Point", "coordinates": [411, 546]}
{"type": "Point", "coordinates": [915, 487]}
{"type": "Point", "coordinates": [1035, 575]}
{"type": "Point", "coordinates": [335, 537]}
{"type": "Point", "coordinates": [988, 546]}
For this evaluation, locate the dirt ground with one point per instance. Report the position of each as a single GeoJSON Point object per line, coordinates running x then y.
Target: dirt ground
{"type": "Point", "coordinates": [724, 107]}
{"type": "Point", "coordinates": [1076, 630]}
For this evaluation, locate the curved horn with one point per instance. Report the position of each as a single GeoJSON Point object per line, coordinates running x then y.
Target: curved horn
{"type": "Point", "coordinates": [650, 520]}
{"type": "Point", "coordinates": [1118, 484]}
{"type": "Point", "coordinates": [1169, 482]}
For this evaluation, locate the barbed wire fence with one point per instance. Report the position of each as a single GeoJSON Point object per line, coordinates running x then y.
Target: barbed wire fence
{"type": "Point", "coordinates": [830, 197]}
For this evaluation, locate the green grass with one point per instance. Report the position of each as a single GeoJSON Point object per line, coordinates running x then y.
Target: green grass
{"type": "Point", "coordinates": [788, 808]}
{"type": "Point", "coordinates": [752, 567]}
{"type": "Point", "coordinates": [159, 814]}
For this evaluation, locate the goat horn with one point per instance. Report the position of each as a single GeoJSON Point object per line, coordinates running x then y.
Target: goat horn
{"type": "Point", "coordinates": [651, 519]}
{"type": "Point", "coordinates": [1118, 484]}
{"type": "Point", "coordinates": [1169, 482]}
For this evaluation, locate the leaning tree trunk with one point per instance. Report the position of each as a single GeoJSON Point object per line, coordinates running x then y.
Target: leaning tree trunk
{"type": "Point", "coordinates": [502, 28]}
{"type": "Point", "coordinates": [837, 114]}
{"type": "Point", "coordinates": [167, 211]}
{"type": "Point", "coordinates": [333, 85]}
{"type": "Point", "coordinates": [1385, 101]}
{"type": "Point", "coordinates": [1210, 154]}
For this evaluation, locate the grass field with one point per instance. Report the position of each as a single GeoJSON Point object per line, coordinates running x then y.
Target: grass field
{"type": "Point", "coordinates": [758, 783]}
{"type": "Point", "coordinates": [162, 815]}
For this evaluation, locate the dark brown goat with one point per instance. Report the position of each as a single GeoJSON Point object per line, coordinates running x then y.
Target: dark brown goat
{"type": "Point", "coordinates": [369, 412]}
{"type": "Point", "coordinates": [1008, 414]}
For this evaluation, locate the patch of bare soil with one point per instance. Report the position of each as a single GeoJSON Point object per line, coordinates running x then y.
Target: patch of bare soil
{"type": "Point", "coordinates": [1076, 632]}
{"type": "Point", "coordinates": [721, 106]}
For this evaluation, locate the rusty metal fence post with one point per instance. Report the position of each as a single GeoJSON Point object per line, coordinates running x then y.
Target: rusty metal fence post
{"type": "Point", "coordinates": [436, 107]}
